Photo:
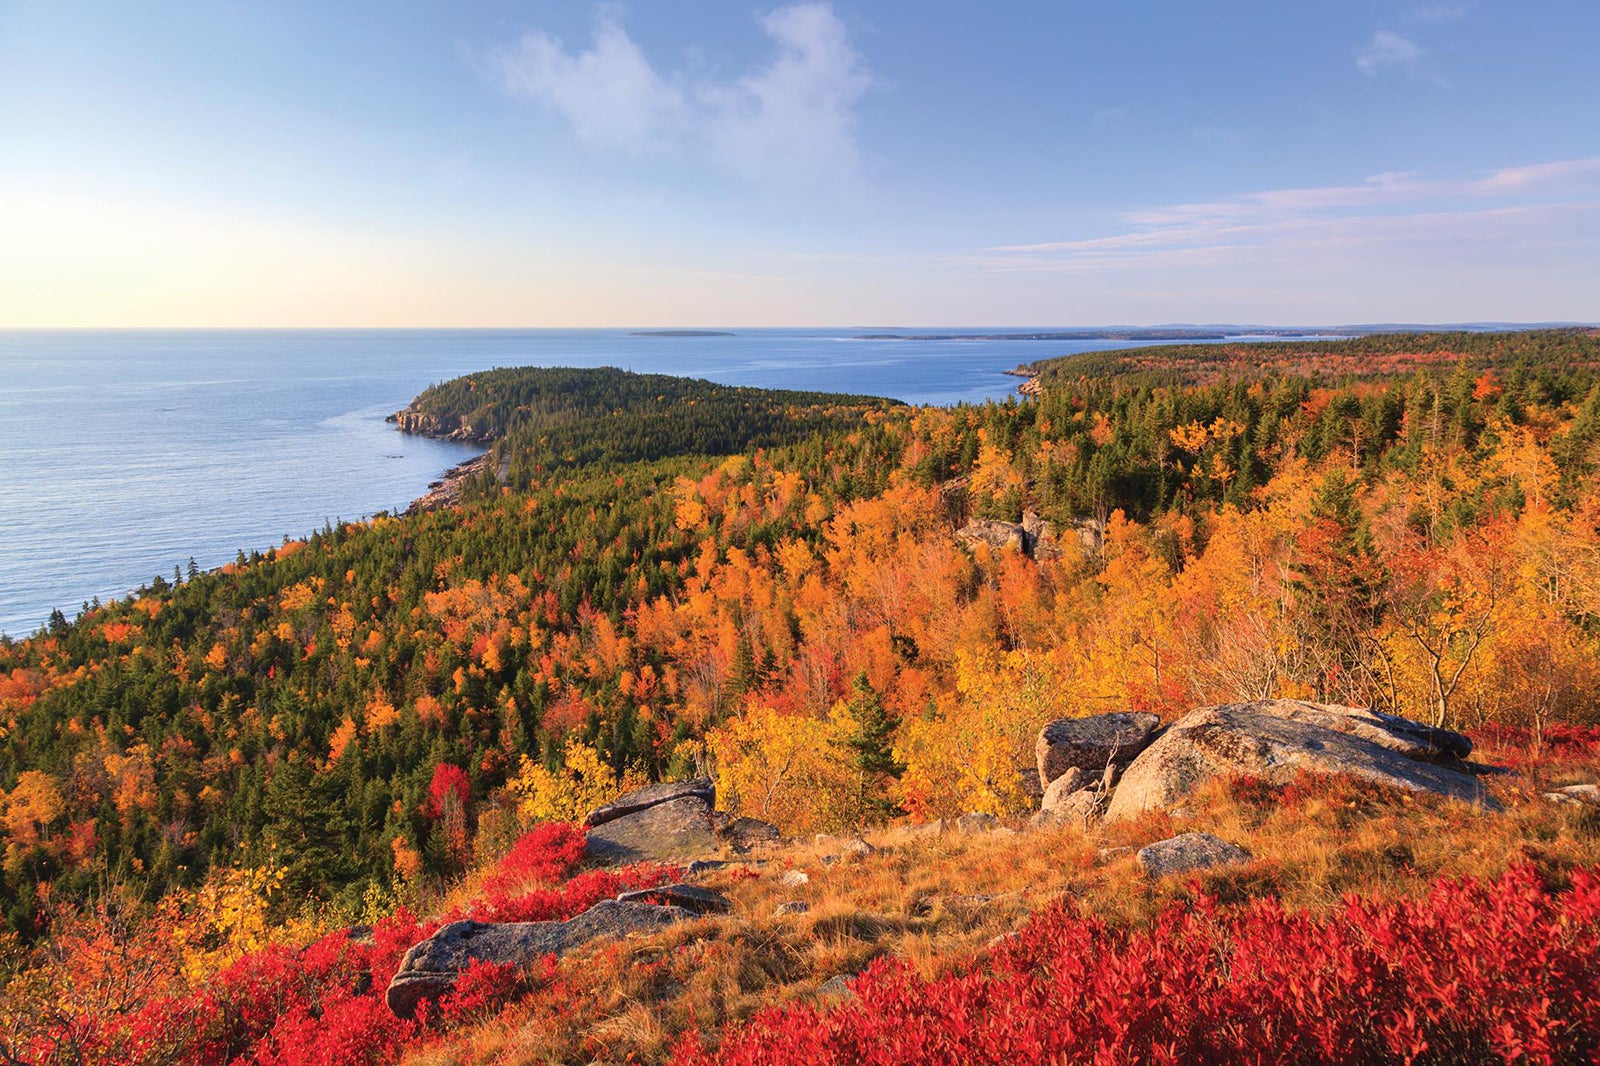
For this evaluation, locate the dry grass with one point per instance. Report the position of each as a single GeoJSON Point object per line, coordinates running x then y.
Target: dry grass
{"type": "Point", "coordinates": [937, 901]}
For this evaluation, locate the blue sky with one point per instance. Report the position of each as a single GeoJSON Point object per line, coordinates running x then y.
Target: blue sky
{"type": "Point", "coordinates": [708, 163]}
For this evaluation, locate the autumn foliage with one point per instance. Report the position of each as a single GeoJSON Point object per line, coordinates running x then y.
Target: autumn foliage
{"type": "Point", "coordinates": [321, 1003]}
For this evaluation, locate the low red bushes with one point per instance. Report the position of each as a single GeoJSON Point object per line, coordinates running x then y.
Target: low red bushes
{"type": "Point", "coordinates": [1503, 971]}
{"type": "Point", "coordinates": [1558, 744]}
{"type": "Point", "coordinates": [545, 854]}
{"type": "Point", "coordinates": [324, 1005]}
{"type": "Point", "coordinates": [565, 901]}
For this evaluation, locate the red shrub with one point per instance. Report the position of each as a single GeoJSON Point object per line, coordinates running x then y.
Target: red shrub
{"type": "Point", "coordinates": [1475, 972]}
{"type": "Point", "coordinates": [344, 1030]}
{"type": "Point", "coordinates": [544, 855]}
{"type": "Point", "coordinates": [484, 987]}
{"type": "Point", "coordinates": [1514, 745]}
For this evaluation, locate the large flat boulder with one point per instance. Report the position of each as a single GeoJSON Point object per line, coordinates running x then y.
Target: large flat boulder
{"type": "Point", "coordinates": [1189, 852]}
{"type": "Point", "coordinates": [1276, 738]}
{"type": "Point", "coordinates": [429, 970]}
{"type": "Point", "coordinates": [1092, 743]}
{"type": "Point", "coordinates": [676, 829]}
{"type": "Point", "coordinates": [643, 798]}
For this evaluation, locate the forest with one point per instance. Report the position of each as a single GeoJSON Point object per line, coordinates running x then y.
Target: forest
{"type": "Point", "coordinates": [662, 577]}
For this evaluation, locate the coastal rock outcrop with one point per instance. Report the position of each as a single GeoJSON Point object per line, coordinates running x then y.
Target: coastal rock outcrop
{"type": "Point", "coordinates": [430, 968]}
{"type": "Point", "coordinates": [1091, 744]}
{"type": "Point", "coordinates": [666, 821]}
{"type": "Point", "coordinates": [446, 492]}
{"type": "Point", "coordinates": [1275, 738]}
{"type": "Point", "coordinates": [426, 424]}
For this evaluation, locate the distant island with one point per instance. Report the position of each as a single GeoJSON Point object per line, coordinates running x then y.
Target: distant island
{"type": "Point", "coordinates": [680, 333]}
{"type": "Point", "coordinates": [1068, 335]}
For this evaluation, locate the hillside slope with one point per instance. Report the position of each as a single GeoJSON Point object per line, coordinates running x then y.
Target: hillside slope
{"type": "Point", "coordinates": [771, 589]}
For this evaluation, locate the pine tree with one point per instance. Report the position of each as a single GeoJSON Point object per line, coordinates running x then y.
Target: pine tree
{"type": "Point", "coordinates": [871, 747]}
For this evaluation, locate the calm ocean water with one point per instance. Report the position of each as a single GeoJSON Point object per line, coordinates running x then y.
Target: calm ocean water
{"type": "Point", "coordinates": [126, 453]}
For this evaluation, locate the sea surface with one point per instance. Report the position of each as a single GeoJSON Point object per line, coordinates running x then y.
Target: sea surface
{"type": "Point", "coordinates": [126, 453]}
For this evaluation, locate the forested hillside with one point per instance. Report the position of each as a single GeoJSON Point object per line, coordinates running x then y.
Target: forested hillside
{"type": "Point", "coordinates": [1373, 355]}
{"type": "Point", "coordinates": [767, 586]}
{"type": "Point", "coordinates": [541, 418]}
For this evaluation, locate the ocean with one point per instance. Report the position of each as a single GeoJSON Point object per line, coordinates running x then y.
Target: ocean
{"type": "Point", "coordinates": [127, 453]}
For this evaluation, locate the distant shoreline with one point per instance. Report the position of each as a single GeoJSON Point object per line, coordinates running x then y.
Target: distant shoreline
{"type": "Point", "coordinates": [1065, 335]}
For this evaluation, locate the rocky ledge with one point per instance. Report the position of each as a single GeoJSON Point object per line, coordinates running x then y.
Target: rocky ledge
{"type": "Point", "coordinates": [669, 821]}
{"type": "Point", "coordinates": [429, 969]}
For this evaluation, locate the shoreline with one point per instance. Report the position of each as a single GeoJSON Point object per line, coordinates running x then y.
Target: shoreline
{"type": "Point", "coordinates": [446, 491]}
{"type": "Point", "coordinates": [1030, 385]}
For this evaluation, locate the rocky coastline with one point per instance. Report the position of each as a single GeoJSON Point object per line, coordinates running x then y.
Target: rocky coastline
{"type": "Point", "coordinates": [1030, 386]}
{"type": "Point", "coordinates": [446, 492]}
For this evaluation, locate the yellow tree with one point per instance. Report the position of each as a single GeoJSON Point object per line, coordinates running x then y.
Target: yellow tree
{"type": "Point", "coordinates": [1444, 604]}
{"type": "Point", "coordinates": [30, 810]}
{"type": "Point", "coordinates": [784, 767]}
{"type": "Point", "coordinates": [584, 782]}
{"type": "Point", "coordinates": [975, 751]}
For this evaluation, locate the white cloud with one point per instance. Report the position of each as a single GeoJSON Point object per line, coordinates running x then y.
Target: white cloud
{"type": "Point", "coordinates": [793, 117]}
{"type": "Point", "coordinates": [799, 110]}
{"type": "Point", "coordinates": [1388, 51]}
{"type": "Point", "coordinates": [1546, 202]}
{"type": "Point", "coordinates": [610, 93]}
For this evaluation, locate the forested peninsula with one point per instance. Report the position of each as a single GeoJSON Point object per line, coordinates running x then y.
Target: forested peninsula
{"type": "Point", "coordinates": [847, 615]}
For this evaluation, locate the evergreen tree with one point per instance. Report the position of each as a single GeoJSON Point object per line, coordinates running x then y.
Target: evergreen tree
{"type": "Point", "coordinates": [871, 747]}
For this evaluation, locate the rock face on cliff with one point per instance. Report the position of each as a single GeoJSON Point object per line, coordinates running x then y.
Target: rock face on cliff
{"type": "Point", "coordinates": [429, 969]}
{"type": "Point", "coordinates": [1091, 744]}
{"type": "Point", "coordinates": [1275, 738]}
{"type": "Point", "coordinates": [1032, 536]}
{"type": "Point", "coordinates": [424, 424]}
{"type": "Point", "coordinates": [998, 535]}
{"type": "Point", "coordinates": [666, 821]}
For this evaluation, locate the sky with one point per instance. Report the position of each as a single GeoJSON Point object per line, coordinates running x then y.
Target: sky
{"type": "Point", "coordinates": [854, 163]}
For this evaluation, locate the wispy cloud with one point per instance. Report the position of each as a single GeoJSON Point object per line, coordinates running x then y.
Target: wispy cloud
{"type": "Point", "coordinates": [1388, 51]}
{"type": "Point", "coordinates": [1438, 12]}
{"type": "Point", "coordinates": [792, 117]}
{"type": "Point", "coordinates": [1116, 115]}
{"type": "Point", "coordinates": [1386, 208]}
